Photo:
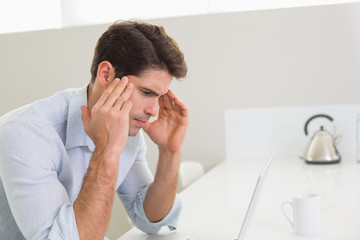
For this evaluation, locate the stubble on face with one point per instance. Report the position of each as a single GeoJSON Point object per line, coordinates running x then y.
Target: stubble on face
{"type": "Point", "coordinates": [149, 85]}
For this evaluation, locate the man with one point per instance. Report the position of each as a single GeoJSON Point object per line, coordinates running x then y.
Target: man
{"type": "Point", "coordinates": [63, 158]}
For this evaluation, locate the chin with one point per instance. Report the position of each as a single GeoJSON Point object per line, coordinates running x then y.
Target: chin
{"type": "Point", "coordinates": [133, 131]}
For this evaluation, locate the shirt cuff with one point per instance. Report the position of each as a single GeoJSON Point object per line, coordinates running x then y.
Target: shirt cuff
{"type": "Point", "coordinates": [144, 224]}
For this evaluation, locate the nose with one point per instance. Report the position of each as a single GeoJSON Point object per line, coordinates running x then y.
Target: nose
{"type": "Point", "coordinates": [152, 108]}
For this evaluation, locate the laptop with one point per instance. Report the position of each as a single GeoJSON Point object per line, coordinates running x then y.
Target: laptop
{"type": "Point", "coordinates": [245, 223]}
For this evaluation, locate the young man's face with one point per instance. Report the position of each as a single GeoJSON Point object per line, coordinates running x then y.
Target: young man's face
{"type": "Point", "coordinates": [148, 88]}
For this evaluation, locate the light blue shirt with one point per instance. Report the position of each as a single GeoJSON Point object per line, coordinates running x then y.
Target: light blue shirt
{"type": "Point", "coordinates": [44, 155]}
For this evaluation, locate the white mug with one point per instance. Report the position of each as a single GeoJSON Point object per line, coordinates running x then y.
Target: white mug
{"type": "Point", "coordinates": [306, 213]}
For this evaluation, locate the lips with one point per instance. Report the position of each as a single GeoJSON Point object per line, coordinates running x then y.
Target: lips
{"type": "Point", "coordinates": [140, 123]}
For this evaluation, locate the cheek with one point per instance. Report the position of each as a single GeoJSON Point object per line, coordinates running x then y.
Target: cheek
{"type": "Point", "coordinates": [137, 104]}
{"type": "Point", "coordinates": [134, 109]}
{"type": "Point", "coordinates": [134, 98]}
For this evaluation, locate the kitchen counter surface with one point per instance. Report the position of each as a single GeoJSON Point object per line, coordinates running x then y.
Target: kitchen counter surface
{"type": "Point", "coordinates": [217, 202]}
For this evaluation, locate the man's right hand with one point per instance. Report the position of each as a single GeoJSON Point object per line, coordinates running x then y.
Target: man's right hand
{"type": "Point", "coordinates": [108, 127]}
{"type": "Point", "coordinates": [108, 123]}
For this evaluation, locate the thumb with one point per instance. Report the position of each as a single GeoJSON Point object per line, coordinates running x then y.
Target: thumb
{"type": "Point", "coordinates": [85, 116]}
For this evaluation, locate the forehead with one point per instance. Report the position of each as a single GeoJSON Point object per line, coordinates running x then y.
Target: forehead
{"type": "Point", "coordinates": [152, 79]}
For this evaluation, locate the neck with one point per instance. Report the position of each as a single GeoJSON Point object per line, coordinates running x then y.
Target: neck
{"type": "Point", "coordinates": [92, 96]}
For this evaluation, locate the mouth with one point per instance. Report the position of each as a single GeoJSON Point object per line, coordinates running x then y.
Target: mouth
{"type": "Point", "coordinates": [140, 123]}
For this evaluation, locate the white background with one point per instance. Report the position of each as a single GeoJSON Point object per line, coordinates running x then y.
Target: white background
{"type": "Point", "coordinates": [257, 132]}
{"type": "Point", "coordinates": [26, 15]}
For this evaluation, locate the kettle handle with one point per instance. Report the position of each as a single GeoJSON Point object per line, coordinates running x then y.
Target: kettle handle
{"type": "Point", "coordinates": [315, 116]}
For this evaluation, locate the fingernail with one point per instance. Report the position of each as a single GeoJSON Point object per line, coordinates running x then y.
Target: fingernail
{"type": "Point", "coordinates": [130, 85]}
{"type": "Point", "coordinates": [116, 81]}
{"type": "Point", "coordinates": [124, 79]}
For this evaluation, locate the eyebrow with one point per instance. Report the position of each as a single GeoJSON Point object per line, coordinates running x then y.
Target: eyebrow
{"type": "Point", "coordinates": [151, 91]}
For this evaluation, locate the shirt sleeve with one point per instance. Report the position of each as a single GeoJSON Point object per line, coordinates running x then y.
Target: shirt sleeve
{"type": "Point", "coordinates": [132, 193]}
{"type": "Point", "coordinates": [38, 201]}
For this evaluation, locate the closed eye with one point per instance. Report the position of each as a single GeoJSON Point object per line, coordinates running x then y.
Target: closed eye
{"type": "Point", "coordinates": [148, 92]}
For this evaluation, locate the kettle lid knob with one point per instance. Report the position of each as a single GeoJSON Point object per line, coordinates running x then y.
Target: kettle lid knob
{"type": "Point", "coordinates": [313, 117]}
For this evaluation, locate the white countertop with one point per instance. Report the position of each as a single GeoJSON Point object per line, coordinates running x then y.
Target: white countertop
{"type": "Point", "coordinates": [217, 202]}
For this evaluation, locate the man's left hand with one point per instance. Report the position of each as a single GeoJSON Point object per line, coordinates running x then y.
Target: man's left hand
{"type": "Point", "coordinates": [169, 130]}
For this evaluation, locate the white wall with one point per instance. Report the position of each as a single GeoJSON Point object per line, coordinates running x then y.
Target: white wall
{"type": "Point", "coordinates": [283, 57]}
{"type": "Point", "coordinates": [281, 130]}
{"type": "Point", "coordinates": [69, 13]}
{"type": "Point", "coordinates": [272, 58]}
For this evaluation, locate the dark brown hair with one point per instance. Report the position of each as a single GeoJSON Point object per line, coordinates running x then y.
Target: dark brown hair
{"type": "Point", "coordinates": [134, 46]}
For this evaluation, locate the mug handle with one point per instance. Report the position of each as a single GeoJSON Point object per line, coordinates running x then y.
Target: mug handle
{"type": "Point", "coordinates": [285, 214]}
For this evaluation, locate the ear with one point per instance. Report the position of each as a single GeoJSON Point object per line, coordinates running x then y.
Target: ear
{"type": "Point", "coordinates": [105, 73]}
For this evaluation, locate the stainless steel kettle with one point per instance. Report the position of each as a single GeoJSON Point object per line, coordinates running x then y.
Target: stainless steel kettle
{"type": "Point", "coordinates": [322, 145]}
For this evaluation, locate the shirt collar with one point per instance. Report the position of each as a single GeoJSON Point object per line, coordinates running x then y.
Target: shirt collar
{"type": "Point", "coordinates": [75, 133]}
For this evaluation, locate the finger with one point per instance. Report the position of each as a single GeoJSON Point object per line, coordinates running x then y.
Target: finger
{"type": "Point", "coordinates": [117, 93]}
{"type": "Point", "coordinates": [126, 106]}
{"type": "Point", "coordinates": [179, 105]}
{"type": "Point", "coordinates": [107, 92]}
{"type": "Point", "coordinates": [125, 111]}
{"type": "Point", "coordinates": [167, 103]}
{"type": "Point", "coordinates": [124, 96]}
{"type": "Point", "coordinates": [161, 105]}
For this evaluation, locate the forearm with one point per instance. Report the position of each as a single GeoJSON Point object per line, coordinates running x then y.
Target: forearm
{"type": "Point", "coordinates": [94, 204]}
{"type": "Point", "coordinates": [161, 194]}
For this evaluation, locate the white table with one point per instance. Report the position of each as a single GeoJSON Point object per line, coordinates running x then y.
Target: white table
{"type": "Point", "coordinates": [217, 202]}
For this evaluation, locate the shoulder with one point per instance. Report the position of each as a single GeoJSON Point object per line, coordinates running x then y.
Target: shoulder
{"type": "Point", "coordinates": [28, 143]}
{"type": "Point", "coordinates": [33, 132]}
{"type": "Point", "coordinates": [28, 135]}
{"type": "Point", "coordinates": [52, 110]}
